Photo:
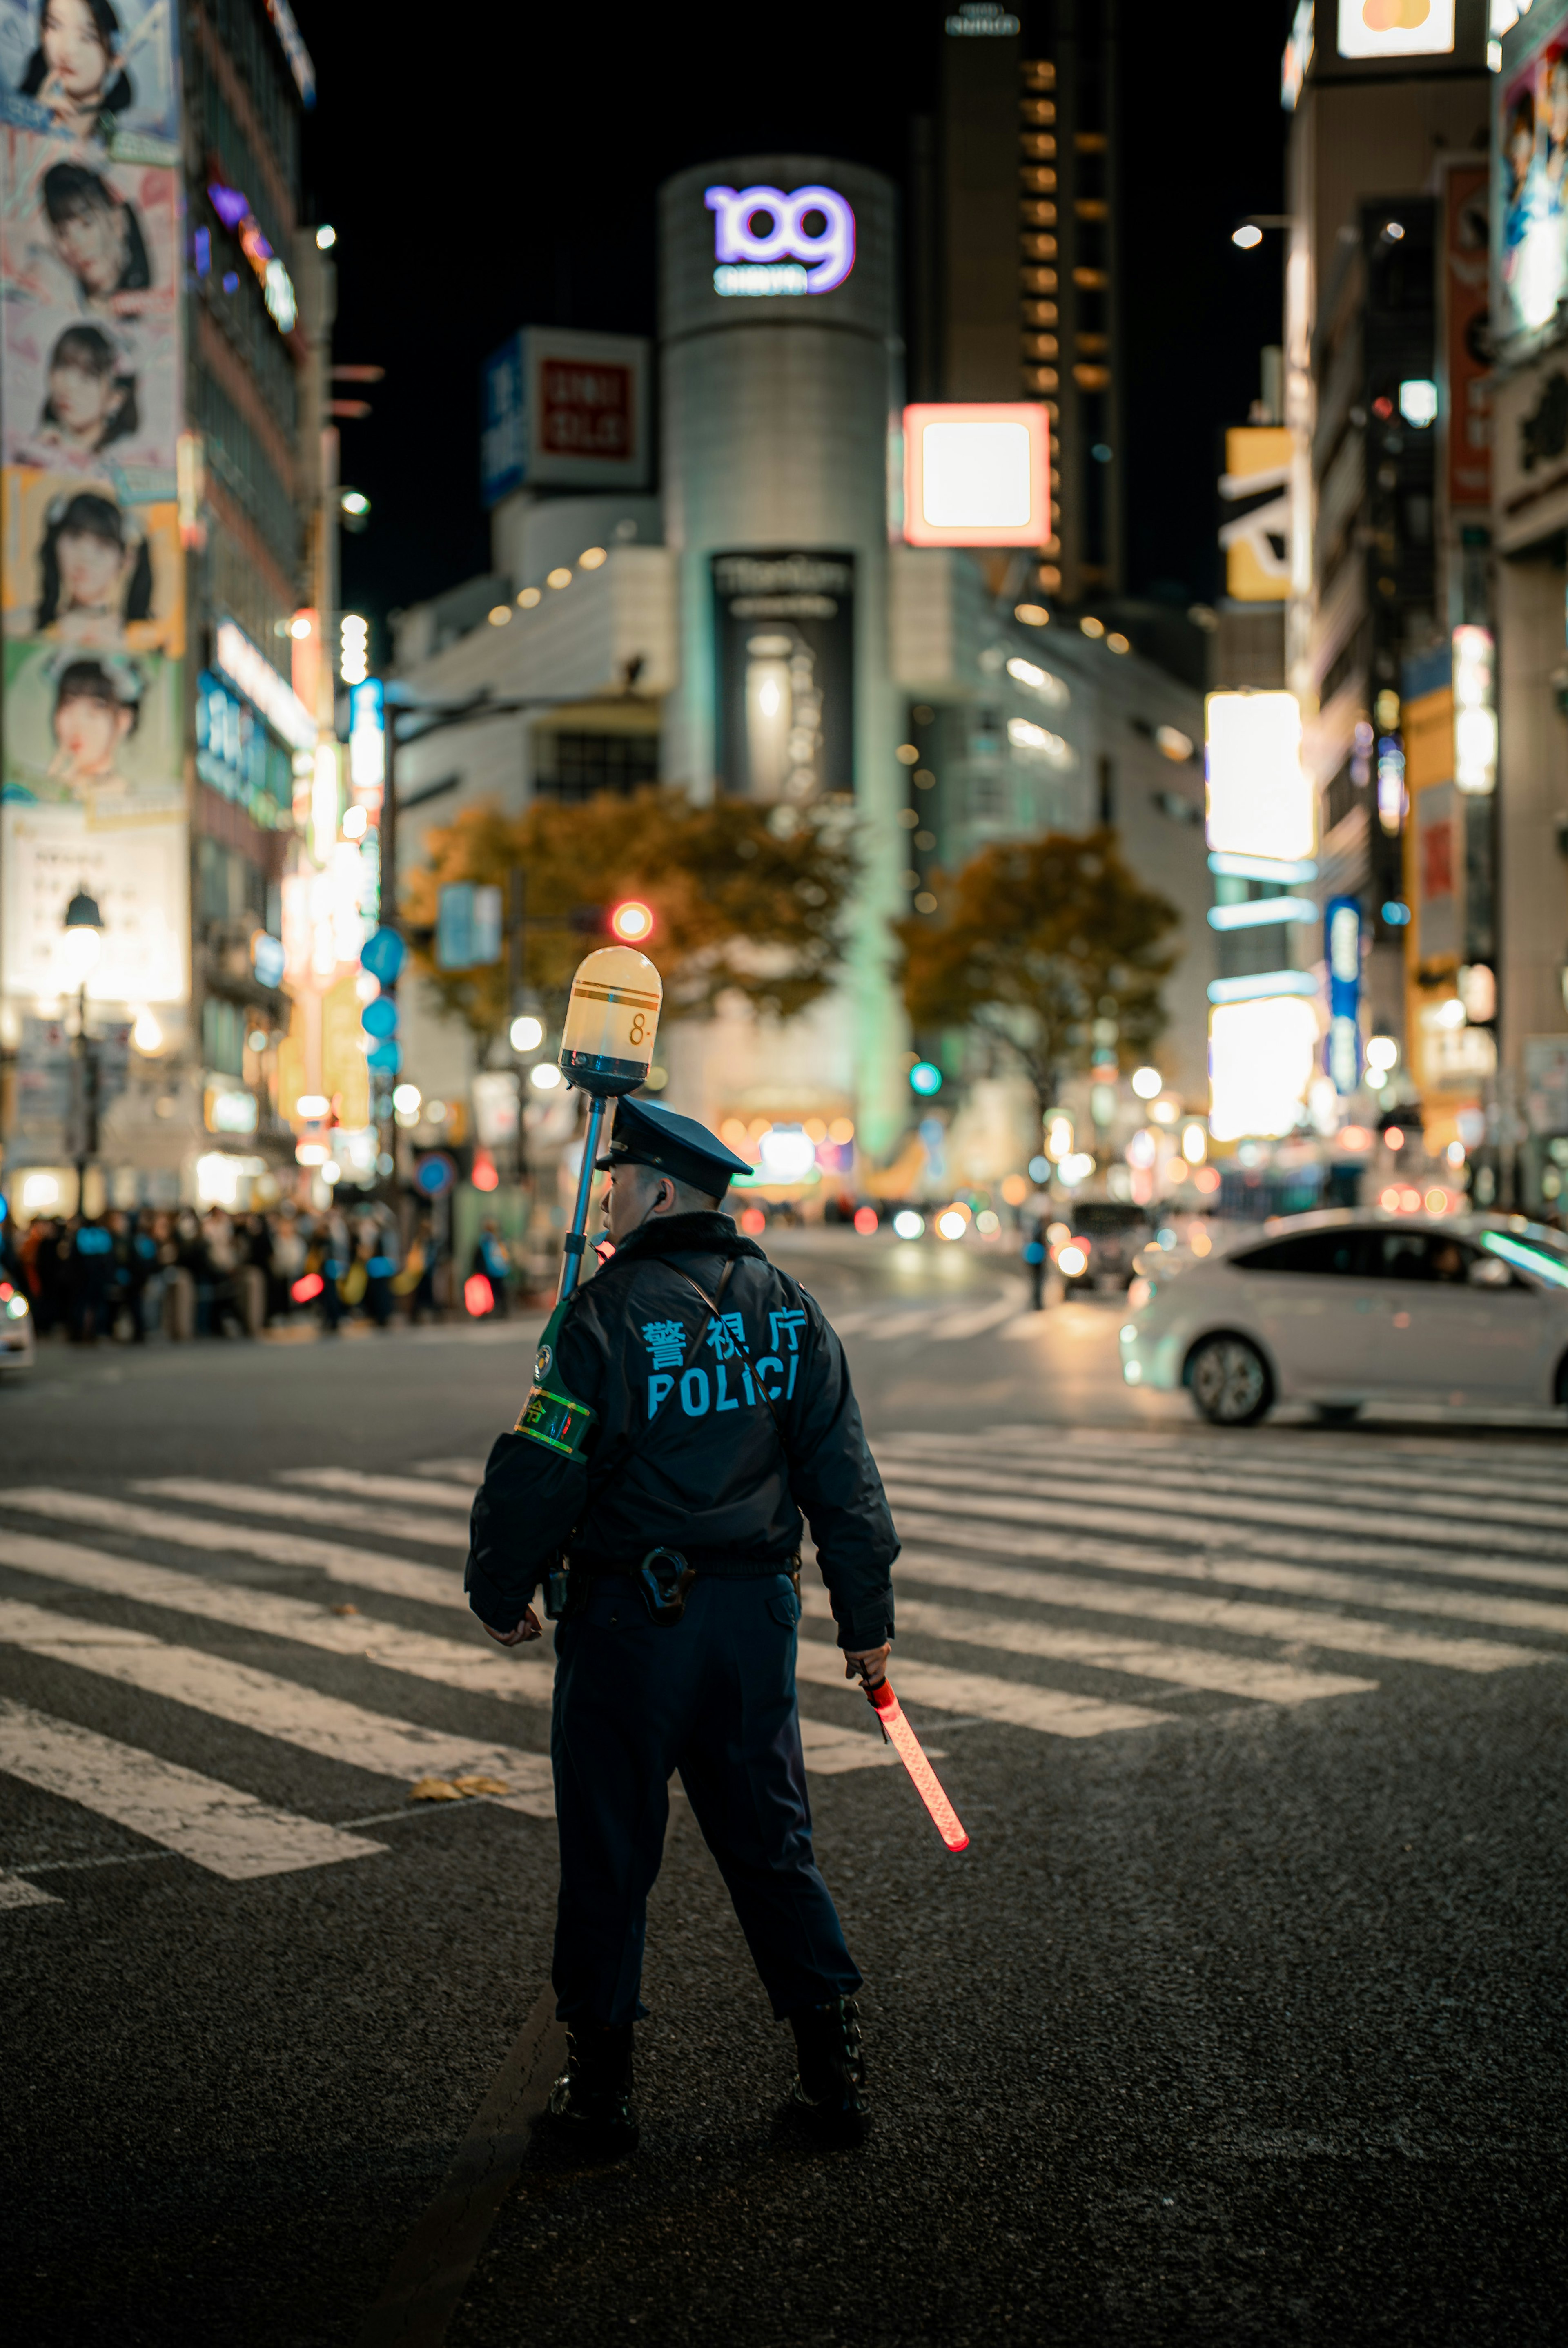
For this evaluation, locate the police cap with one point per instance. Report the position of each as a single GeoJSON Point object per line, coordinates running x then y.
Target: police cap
{"type": "Point", "coordinates": [648, 1135]}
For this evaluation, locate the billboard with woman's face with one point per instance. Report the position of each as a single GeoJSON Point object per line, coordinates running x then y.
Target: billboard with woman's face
{"type": "Point", "coordinates": [78, 566]}
{"type": "Point", "coordinates": [100, 73]}
{"type": "Point", "coordinates": [90, 320]}
{"type": "Point", "coordinates": [1530, 200]}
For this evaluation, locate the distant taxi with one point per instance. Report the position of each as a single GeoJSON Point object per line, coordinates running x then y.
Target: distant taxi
{"type": "Point", "coordinates": [1341, 1310]}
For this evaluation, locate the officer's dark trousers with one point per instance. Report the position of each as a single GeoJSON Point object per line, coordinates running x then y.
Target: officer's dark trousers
{"type": "Point", "coordinates": [712, 1696]}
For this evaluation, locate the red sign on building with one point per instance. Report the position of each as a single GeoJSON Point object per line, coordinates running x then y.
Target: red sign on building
{"type": "Point", "coordinates": [587, 410]}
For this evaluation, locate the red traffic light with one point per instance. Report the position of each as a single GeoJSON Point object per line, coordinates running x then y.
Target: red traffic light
{"type": "Point", "coordinates": [632, 922]}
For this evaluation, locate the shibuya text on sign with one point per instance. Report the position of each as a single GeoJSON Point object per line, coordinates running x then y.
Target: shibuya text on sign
{"type": "Point", "coordinates": [765, 241]}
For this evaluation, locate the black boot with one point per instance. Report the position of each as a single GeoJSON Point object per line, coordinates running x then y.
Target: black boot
{"type": "Point", "coordinates": [829, 2088]}
{"type": "Point", "coordinates": [593, 2095]}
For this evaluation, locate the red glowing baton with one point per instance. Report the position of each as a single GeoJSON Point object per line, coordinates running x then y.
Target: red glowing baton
{"type": "Point", "coordinates": [906, 1746]}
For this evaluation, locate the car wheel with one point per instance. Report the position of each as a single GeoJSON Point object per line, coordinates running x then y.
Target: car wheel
{"type": "Point", "coordinates": [1337, 1414]}
{"type": "Point", "coordinates": [1230, 1382]}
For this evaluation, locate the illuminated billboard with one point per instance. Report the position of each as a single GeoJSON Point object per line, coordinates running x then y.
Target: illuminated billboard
{"type": "Point", "coordinates": [1529, 215]}
{"type": "Point", "coordinates": [1396, 28]}
{"type": "Point", "coordinates": [565, 410]}
{"type": "Point", "coordinates": [785, 641]}
{"type": "Point", "coordinates": [1263, 1055]}
{"type": "Point", "coordinates": [1257, 542]}
{"type": "Point", "coordinates": [1261, 802]}
{"type": "Point", "coordinates": [99, 76]}
{"type": "Point", "coordinates": [976, 473]}
{"type": "Point", "coordinates": [92, 568]}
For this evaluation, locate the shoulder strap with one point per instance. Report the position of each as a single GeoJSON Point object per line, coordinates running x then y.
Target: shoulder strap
{"type": "Point", "coordinates": [712, 1304]}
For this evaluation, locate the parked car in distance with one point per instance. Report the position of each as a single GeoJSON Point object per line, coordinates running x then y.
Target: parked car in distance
{"type": "Point", "coordinates": [16, 1328]}
{"type": "Point", "coordinates": [1342, 1309]}
{"type": "Point", "coordinates": [1110, 1235]}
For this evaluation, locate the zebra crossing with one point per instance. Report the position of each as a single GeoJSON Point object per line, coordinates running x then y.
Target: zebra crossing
{"type": "Point", "coordinates": [1061, 1584]}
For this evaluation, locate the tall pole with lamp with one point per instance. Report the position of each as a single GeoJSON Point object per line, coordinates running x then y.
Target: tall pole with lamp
{"type": "Point", "coordinates": [81, 951]}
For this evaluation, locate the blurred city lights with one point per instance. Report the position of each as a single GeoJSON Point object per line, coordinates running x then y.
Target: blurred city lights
{"type": "Point", "coordinates": [354, 648]}
{"type": "Point", "coordinates": [1073, 1258]}
{"type": "Point", "coordinates": [866, 1221]}
{"type": "Point", "coordinates": [988, 1222]}
{"type": "Point", "coordinates": [1076, 1167]}
{"type": "Point", "coordinates": [546, 1076]}
{"type": "Point", "coordinates": [1015, 1190]}
{"type": "Point", "coordinates": [1382, 1052]}
{"type": "Point", "coordinates": [1195, 1144]}
{"type": "Point", "coordinates": [1260, 802]}
{"type": "Point", "coordinates": [1040, 1170]}
{"type": "Point", "coordinates": [1147, 1083]}
{"type": "Point", "coordinates": [909, 1224]}
{"type": "Point", "coordinates": [925, 1076]}
{"type": "Point", "coordinates": [1248, 236]}
{"type": "Point", "coordinates": [405, 1099]}
{"type": "Point", "coordinates": [1395, 1137]}
{"type": "Point", "coordinates": [526, 1035]}
{"type": "Point", "coordinates": [1418, 402]}
{"type": "Point", "coordinates": [953, 1222]}
{"type": "Point", "coordinates": [1058, 1138]}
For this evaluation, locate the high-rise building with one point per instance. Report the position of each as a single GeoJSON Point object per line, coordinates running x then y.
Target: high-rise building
{"type": "Point", "coordinates": [1385, 406]}
{"type": "Point", "coordinates": [170, 508]}
{"type": "Point", "coordinates": [1015, 235]}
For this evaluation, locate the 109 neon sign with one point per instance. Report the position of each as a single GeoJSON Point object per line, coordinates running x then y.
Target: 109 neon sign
{"type": "Point", "coordinates": [765, 241]}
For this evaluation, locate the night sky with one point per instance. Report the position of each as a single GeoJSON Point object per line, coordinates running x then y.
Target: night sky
{"type": "Point", "coordinates": [500, 169]}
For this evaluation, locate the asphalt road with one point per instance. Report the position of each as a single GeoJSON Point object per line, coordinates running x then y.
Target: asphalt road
{"type": "Point", "coordinates": [1240, 2021]}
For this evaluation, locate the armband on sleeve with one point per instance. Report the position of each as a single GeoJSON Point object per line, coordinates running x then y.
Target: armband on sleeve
{"type": "Point", "coordinates": [551, 1415]}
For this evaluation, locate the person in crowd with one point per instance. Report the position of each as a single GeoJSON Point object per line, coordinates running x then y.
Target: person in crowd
{"type": "Point", "coordinates": [492, 1259]}
{"type": "Point", "coordinates": [92, 1273]}
{"type": "Point", "coordinates": [378, 1246]}
{"type": "Point", "coordinates": [43, 1253]}
{"type": "Point", "coordinates": [287, 1261]}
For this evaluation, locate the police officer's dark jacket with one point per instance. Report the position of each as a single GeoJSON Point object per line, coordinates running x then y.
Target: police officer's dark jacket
{"type": "Point", "coordinates": [682, 1449]}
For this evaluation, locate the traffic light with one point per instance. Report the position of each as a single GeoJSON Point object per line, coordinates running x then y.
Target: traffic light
{"type": "Point", "coordinates": [629, 922]}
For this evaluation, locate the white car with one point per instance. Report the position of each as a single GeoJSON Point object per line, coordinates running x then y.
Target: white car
{"type": "Point", "coordinates": [15, 1327]}
{"type": "Point", "coordinates": [1341, 1309]}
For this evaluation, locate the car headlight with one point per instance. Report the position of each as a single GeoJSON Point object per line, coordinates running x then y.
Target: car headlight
{"type": "Point", "coordinates": [1128, 1332]}
{"type": "Point", "coordinates": [16, 1308]}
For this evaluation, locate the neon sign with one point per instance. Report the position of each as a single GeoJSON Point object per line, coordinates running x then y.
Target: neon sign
{"type": "Point", "coordinates": [788, 257]}
{"type": "Point", "coordinates": [233, 209]}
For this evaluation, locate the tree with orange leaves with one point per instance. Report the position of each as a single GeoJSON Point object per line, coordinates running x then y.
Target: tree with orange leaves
{"type": "Point", "coordinates": [746, 900]}
{"type": "Point", "coordinates": [1038, 940]}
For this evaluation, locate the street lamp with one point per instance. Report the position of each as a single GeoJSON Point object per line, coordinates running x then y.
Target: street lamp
{"type": "Point", "coordinates": [81, 950]}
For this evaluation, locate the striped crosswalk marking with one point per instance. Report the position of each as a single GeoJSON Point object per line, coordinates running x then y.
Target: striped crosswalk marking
{"type": "Point", "coordinates": [476, 1665]}
{"type": "Point", "coordinates": [1194, 1667]}
{"type": "Point", "coordinates": [1408, 1597]}
{"type": "Point", "coordinates": [216, 1825]}
{"type": "Point", "coordinates": [1018, 1702]}
{"type": "Point", "coordinates": [325, 1725]}
{"type": "Point", "coordinates": [337, 1560]}
{"type": "Point", "coordinates": [419, 1491]}
{"type": "Point", "coordinates": [316, 1508]}
{"type": "Point", "coordinates": [20, 1891]}
{"type": "Point", "coordinates": [1221, 1610]}
{"type": "Point", "coordinates": [1294, 1527]}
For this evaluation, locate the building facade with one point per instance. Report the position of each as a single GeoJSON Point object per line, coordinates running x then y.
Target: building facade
{"type": "Point", "coordinates": [745, 618]}
{"type": "Point", "coordinates": [168, 513]}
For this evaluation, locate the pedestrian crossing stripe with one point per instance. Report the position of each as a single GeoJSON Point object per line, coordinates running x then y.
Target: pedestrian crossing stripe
{"type": "Point", "coordinates": [216, 1826]}
{"type": "Point", "coordinates": [1134, 1558]}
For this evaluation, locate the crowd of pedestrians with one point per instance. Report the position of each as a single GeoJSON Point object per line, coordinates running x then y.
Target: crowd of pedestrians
{"type": "Point", "coordinates": [128, 1275]}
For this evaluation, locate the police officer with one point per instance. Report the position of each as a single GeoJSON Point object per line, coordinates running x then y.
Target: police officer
{"type": "Point", "coordinates": [690, 1403]}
